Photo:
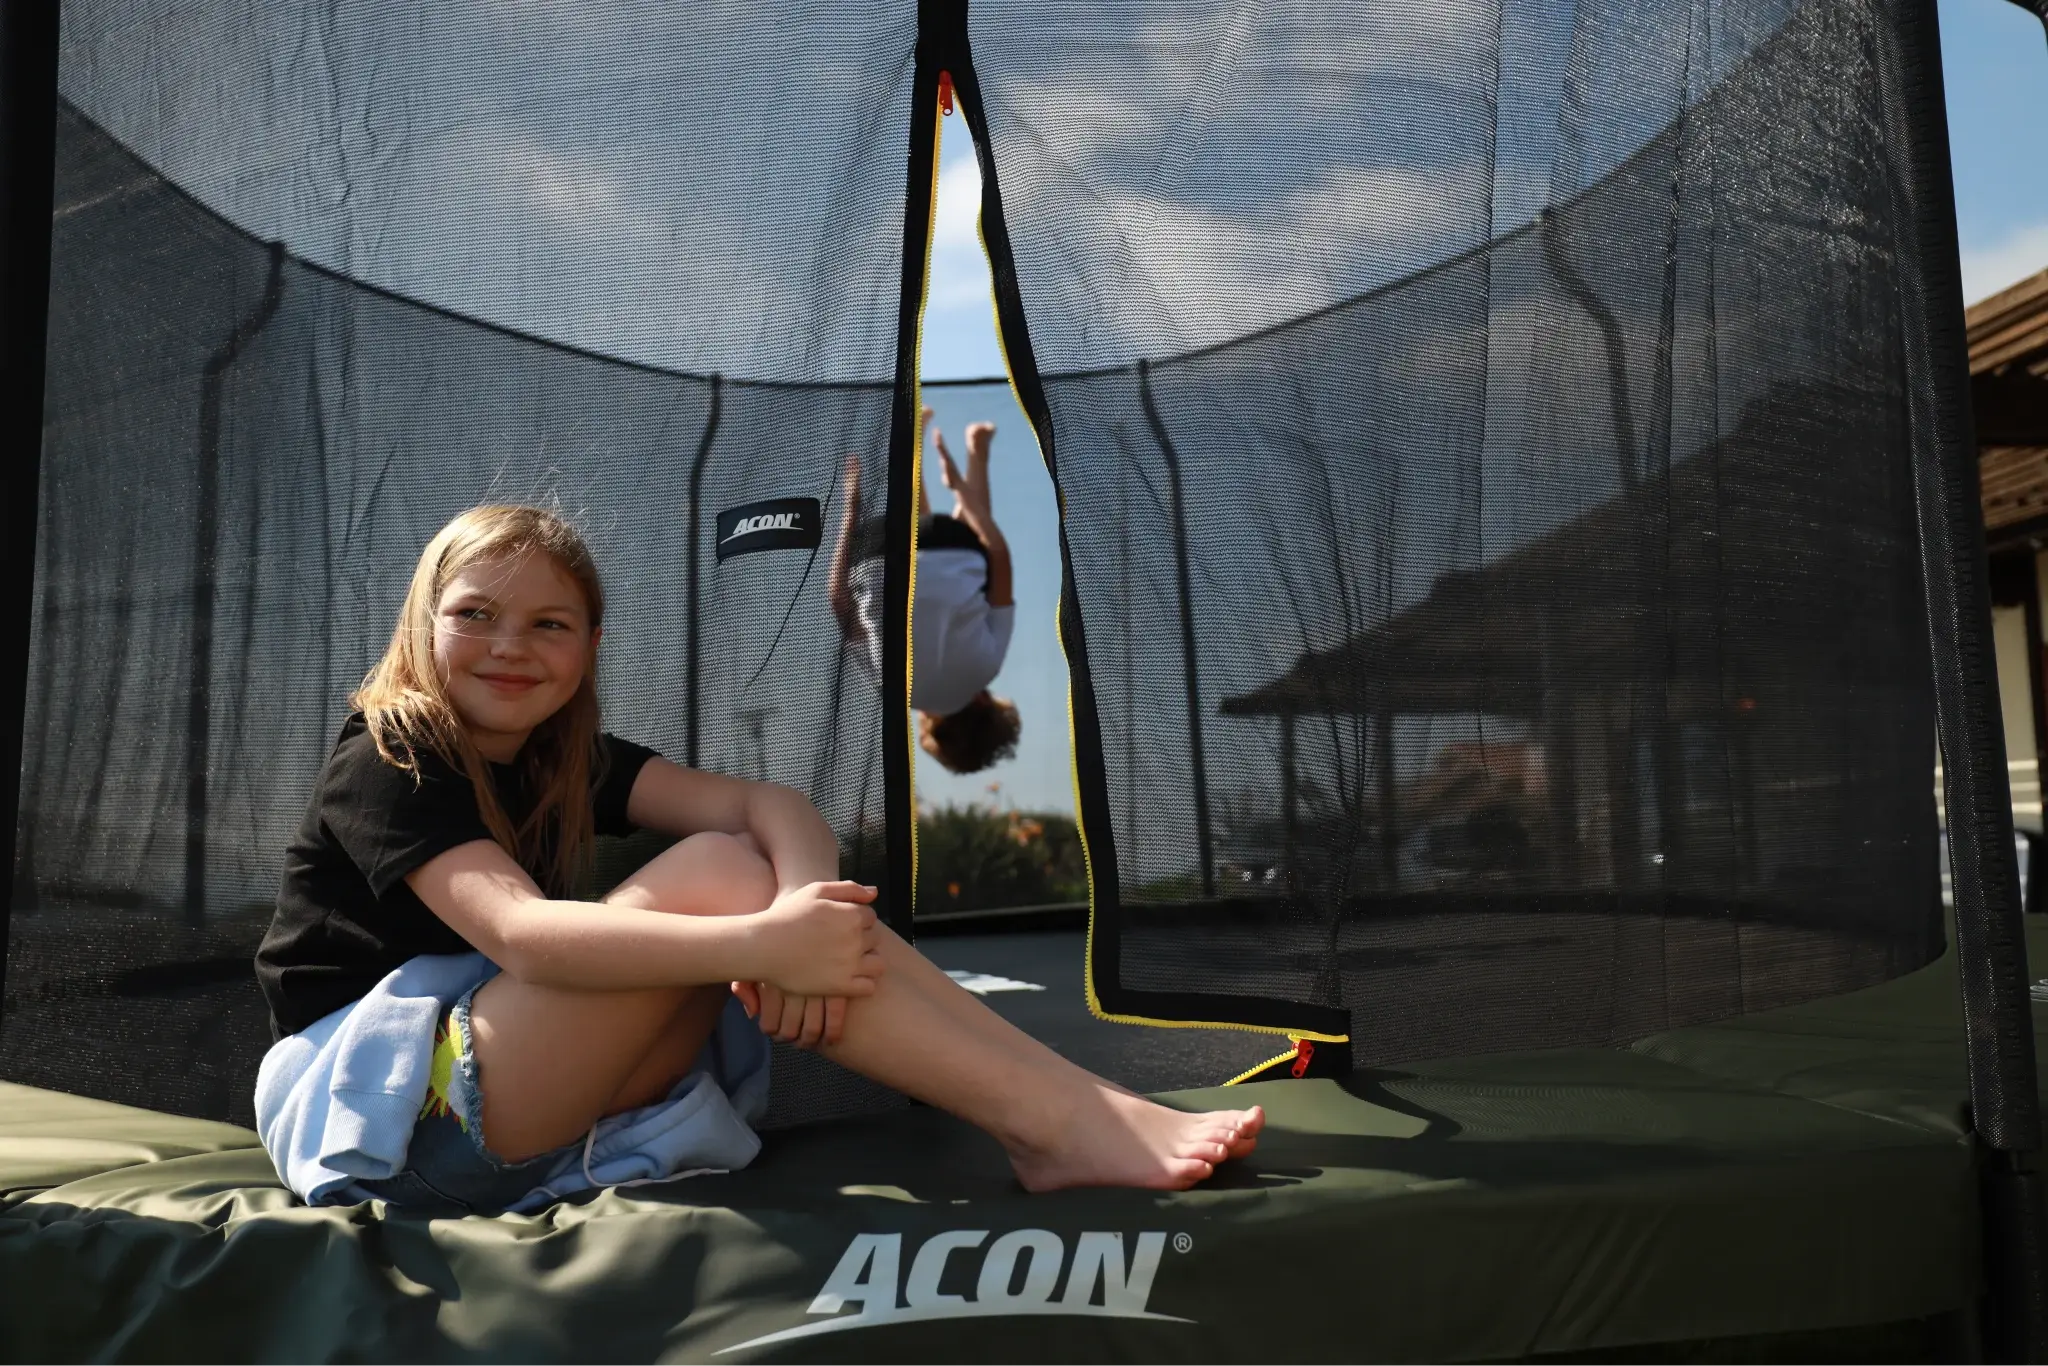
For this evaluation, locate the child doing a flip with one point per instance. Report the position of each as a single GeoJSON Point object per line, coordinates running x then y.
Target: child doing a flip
{"type": "Point", "coordinates": [962, 612]}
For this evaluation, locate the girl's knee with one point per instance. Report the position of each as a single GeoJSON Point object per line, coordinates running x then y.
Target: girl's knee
{"type": "Point", "coordinates": [737, 863]}
{"type": "Point", "coordinates": [739, 855]}
{"type": "Point", "coordinates": [706, 874]}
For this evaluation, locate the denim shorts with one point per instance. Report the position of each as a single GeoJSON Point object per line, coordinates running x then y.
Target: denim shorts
{"type": "Point", "coordinates": [448, 1170]}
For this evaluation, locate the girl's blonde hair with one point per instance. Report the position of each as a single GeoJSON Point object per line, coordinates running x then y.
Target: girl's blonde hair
{"type": "Point", "coordinates": [407, 708]}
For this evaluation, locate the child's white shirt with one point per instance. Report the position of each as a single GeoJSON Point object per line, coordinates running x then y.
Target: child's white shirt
{"type": "Point", "coordinates": [957, 639]}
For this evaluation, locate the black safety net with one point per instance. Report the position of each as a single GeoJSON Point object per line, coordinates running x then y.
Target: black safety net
{"type": "Point", "coordinates": [1484, 436]}
{"type": "Point", "coordinates": [1496, 602]}
{"type": "Point", "coordinates": [246, 452]}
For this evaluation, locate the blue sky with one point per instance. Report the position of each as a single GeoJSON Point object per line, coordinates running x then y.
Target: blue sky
{"type": "Point", "coordinates": [1995, 62]}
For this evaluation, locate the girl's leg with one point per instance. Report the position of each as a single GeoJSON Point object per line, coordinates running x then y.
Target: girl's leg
{"type": "Point", "coordinates": [968, 1012]}
{"type": "Point", "coordinates": [730, 866]}
{"type": "Point", "coordinates": [1062, 1126]}
{"type": "Point", "coordinates": [553, 1061]}
{"type": "Point", "coordinates": [922, 1034]}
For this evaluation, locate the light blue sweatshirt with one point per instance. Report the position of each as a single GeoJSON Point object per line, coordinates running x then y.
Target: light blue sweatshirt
{"type": "Point", "coordinates": [336, 1103]}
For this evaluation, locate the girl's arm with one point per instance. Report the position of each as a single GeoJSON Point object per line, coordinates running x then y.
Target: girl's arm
{"type": "Point", "coordinates": [814, 939]}
{"type": "Point", "coordinates": [800, 847]}
{"type": "Point", "coordinates": [683, 801]}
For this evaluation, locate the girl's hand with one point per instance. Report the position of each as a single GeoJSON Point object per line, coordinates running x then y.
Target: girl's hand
{"type": "Point", "coordinates": [821, 940]}
{"type": "Point", "coordinates": [805, 1021]}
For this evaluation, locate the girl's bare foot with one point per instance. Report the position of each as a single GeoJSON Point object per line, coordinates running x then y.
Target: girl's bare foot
{"type": "Point", "coordinates": [1113, 1138]}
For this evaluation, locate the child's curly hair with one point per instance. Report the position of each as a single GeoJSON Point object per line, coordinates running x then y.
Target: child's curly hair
{"type": "Point", "coordinates": [982, 733]}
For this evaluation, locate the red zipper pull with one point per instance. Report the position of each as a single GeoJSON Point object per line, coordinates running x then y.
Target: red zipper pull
{"type": "Point", "coordinates": [945, 92]}
{"type": "Point", "coordinates": [1303, 1051]}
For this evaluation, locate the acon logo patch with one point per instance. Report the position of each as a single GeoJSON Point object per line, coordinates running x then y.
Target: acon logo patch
{"type": "Point", "coordinates": [766, 521]}
{"type": "Point", "coordinates": [778, 524]}
{"type": "Point", "coordinates": [1020, 1273]}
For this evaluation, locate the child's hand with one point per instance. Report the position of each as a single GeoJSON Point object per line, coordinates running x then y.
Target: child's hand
{"type": "Point", "coordinates": [821, 940]}
{"type": "Point", "coordinates": [805, 1021]}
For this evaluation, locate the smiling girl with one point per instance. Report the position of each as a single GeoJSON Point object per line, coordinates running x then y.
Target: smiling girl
{"type": "Point", "coordinates": [454, 1030]}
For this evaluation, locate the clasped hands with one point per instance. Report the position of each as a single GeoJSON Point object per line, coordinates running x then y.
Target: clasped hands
{"type": "Point", "coordinates": [820, 947]}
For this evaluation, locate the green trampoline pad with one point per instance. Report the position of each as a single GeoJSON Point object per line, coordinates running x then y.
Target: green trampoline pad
{"type": "Point", "coordinates": [1802, 1173]}
{"type": "Point", "coordinates": [48, 1139]}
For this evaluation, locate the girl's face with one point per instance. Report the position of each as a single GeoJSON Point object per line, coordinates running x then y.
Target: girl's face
{"type": "Point", "coordinates": [512, 643]}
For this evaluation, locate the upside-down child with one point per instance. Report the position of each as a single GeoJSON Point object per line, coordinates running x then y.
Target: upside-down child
{"type": "Point", "coordinates": [962, 611]}
{"type": "Point", "coordinates": [453, 1032]}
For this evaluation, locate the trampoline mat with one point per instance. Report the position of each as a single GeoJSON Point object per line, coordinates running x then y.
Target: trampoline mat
{"type": "Point", "coordinates": [1799, 1178]}
{"type": "Point", "coordinates": [1034, 980]}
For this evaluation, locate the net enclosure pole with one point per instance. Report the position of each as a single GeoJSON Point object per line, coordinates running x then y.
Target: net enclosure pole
{"type": "Point", "coordinates": [28, 141]}
{"type": "Point", "coordinates": [1197, 761]}
{"type": "Point", "coordinates": [206, 581]}
{"type": "Point", "coordinates": [691, 663]}
{"type": "Point", "coordinates": [1990, 943]}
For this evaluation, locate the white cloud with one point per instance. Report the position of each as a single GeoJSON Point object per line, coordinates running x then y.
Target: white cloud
{"type": "Point", "coordinates": [1187, 275]}
{"type": "Point", "coordinates": [959, 317]}
{"type": "Point", "coordinates": [959, 270]}
{"type": "Point", "coordinates": [2020, 253]}
{"type": "Point", "coordinates": [578, 195]}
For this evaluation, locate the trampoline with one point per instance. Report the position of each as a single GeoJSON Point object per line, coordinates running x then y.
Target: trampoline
{"type": "Point", "coordinates": [1797, 1183]}
{"type": "Point", "coordinates": [1519, 555]}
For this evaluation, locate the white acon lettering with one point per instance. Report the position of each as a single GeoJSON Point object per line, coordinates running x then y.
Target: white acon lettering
{"type": "Point", "coordinates": [866, 1276]}
{"type": "Point", "coordinates": [923, 1290]}
{"type": "Point", "coordinates": [765, 521]}
{"type": "Point", "coordinates": [1019, 1273]}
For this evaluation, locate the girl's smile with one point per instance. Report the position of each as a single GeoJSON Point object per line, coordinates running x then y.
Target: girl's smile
{"type": "Point", "coordinates": [510, 683]}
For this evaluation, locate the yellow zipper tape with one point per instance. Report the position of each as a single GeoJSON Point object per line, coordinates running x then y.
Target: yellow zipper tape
{"type": "Point", "coordinates": [1257, 1068]}
{"type": "Point", "coordinates": [931, 225]}
{"type": "Point", "coordinates": [1073, 746]}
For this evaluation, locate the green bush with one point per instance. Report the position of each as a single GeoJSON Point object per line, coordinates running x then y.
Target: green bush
{"type": "Point", "coordinates": [972, 858]}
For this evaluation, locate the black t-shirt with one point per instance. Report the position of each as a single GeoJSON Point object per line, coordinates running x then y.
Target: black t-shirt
{"type": "Point", "coordinates": [345, 916]}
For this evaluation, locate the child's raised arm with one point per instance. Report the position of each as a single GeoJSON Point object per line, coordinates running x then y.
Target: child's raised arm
{"type": "Point", "coordinates": [839, 576]}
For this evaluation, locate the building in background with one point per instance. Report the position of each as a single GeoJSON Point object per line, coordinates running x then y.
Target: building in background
{"type": "Point", "coordinates": [2008, 338]}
